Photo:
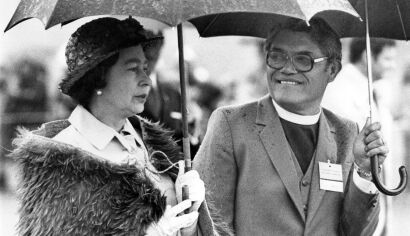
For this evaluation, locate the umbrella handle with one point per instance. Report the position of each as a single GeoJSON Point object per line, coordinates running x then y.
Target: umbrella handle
{"type": "Point", "coordinates": [380, 186]}
{"type": "Point", "coordinates": [374, 161]}
{"type": "Point", "coordinates": [185, 138]}
{"type": "Point", "coordinates": [185, 189]}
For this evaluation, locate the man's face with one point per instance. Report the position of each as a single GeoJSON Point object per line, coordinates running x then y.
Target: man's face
{"type": "Point", "coordinates": [298, 92]}
{"type": "Point", "coordinates": [127, 83]}
{"type": "Point", "coordinates": [385, 62]}
{"type": "Point", "coordinates": [152, 54]}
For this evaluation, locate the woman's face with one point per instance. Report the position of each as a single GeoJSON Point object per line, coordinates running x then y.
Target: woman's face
{"type": "Point", "coordinates": [127, 83]}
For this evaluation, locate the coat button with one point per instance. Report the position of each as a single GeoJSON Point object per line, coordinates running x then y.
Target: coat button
{"type": "Point", "coordinates": [373, 203]}
{"type": "Point", "coordinates": [305, 183]}
{"type": "Point", "coordinates": [305, 208]}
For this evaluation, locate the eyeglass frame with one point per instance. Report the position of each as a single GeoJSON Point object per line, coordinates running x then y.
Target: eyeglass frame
{"type": "Point", "coordinates": [313, 61]}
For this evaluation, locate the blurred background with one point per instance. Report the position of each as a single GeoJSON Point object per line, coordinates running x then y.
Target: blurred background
{"type": "Point", "coordinates": [221, 71]}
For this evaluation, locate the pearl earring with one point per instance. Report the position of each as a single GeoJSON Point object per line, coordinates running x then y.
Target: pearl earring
{"type": "Point", "coordinates": [99, 92]}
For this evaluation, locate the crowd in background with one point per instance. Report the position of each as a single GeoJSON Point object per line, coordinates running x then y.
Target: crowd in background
{"type": "Point", "coordinates": [29, 98]}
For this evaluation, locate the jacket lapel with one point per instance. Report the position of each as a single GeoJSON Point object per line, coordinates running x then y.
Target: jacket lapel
{"type": "Point", "coordinates": [325, 150]}
{"type": "Point", "coordinates": [274, 140]}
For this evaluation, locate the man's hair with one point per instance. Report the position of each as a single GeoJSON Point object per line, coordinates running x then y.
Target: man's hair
{"type": "Point", "coordinates": [155, 44]}
{"type": "Point", "coordinates": [320, 32]}
{"type": "Point", "coordinates": [84, 88]}
{"type": "Point", "coordinates": [358, 45]}
{"type": "Point", "coordinates": [152, 49]}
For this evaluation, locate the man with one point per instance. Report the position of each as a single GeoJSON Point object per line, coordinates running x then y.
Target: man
{"type": "Point", "coordinates": [348, 96]}
{"type": "Point", "coordinates": [282, 165]}
{"type": "Point", "coordinates": [164, 101]}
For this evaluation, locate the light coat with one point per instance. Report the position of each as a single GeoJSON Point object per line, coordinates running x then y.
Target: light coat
{"type": "Point", "coordinates": [67, 191]}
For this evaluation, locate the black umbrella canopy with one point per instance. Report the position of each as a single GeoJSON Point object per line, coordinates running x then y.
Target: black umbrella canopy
{"type": "Point", "coordinates": [171, 12]}
{"type": "Point", "coordinates": [53, 12]}
{"type": "Point", "coordinates": [387, 19]}
{"type": "Point", "coordinates": [259, 24]}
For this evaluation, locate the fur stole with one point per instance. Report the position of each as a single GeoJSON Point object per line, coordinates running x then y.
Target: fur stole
{"type": "Point", "coordinates": [66, 191]}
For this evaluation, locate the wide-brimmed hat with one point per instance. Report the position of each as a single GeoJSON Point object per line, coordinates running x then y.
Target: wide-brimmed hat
{"type": "Point", "coordinates": [96, 41]}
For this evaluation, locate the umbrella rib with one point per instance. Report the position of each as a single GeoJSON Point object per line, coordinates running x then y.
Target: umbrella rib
{"type": "Point", "coordinates": [306, 18]}
{"type": "Point", "coordinates": [210, 24]}
{"type": "Point", "coordinates": [401, 20]}
{"type": "Point", "coordinates": [47, 26]}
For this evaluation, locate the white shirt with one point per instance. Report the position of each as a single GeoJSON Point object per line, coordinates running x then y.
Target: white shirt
{"type": "Point", "coordinates": [90, 134]}
{"type": "Point", "coordinates": [363, 184]}
{"type": "Point", "coordinates": [348, 96]}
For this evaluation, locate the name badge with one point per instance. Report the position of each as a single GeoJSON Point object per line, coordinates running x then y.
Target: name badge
{"type": "Point", "coordinates": [331, 177]}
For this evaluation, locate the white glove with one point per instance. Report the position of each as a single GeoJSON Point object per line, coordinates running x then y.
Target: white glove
{"type": "Point", "coordinates": [170, 223]}
{"type": "Point", "coordinates": [195, 184]}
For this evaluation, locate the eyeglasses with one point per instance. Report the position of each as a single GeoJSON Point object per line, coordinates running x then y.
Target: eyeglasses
{"type": "Point", "coordinates": [302, 63]}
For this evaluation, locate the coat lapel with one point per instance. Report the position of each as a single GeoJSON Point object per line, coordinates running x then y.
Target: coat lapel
{"type": "Point", "coordinates": [274, 140]}
{"type": "Point", "coordinates": [325, 150]}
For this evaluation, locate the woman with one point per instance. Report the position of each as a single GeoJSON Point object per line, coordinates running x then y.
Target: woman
{"type": "Point", "coordinates": [106, 171]}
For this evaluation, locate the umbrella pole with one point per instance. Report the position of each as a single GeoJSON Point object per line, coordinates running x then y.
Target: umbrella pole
{"type": "Point", "coordinates": [369, 66]}
{"type": "Point", "coordinates": [184, 112]}
{"type": "Point", "coordinates": [374, 159]}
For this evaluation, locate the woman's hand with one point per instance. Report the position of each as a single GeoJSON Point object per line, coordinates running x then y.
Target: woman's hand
{"type": "Point", "coordinates": [368, 143]}
{"type": "Point", "coordinates": [170, 222]}
{"type": "Point", "coordinates": [195, 184]}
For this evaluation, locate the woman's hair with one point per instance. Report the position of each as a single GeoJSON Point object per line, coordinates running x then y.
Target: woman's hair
{"type": "Point", "coordinates": [320, 32]}
{"type": "Point", "coordinates": [84, 88]}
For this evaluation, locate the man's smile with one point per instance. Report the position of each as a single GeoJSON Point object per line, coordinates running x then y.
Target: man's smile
{"type": "Point", "coordinates": [288, 82]}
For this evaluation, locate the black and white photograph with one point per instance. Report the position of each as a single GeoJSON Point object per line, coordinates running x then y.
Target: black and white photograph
{"type": "Point", "coordinates": [204, 117]}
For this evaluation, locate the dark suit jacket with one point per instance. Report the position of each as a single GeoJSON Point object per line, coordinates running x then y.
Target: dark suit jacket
{"type": "Point", "coordinates": [163, 103]}
{"type": "Point", "coordinates": [248, 170]}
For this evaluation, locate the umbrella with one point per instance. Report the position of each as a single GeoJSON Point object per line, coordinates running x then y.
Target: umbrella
{"type": "Point", "coordinates": [374, 160]}
{"type": "Point", "coordinates": [387, 19]}
{"type": "Point", "coordinates": [170, 12]}
{"type": "Point", "coordinates": [384, 18]}
{"type": "Point", "coordinates": [173, 13]}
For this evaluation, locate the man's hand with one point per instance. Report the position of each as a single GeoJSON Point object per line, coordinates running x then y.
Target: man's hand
{"type": "Point", "coordinates": [368, 143]}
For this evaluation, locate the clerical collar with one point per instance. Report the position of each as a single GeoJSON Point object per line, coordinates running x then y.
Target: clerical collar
{"type": "Point", "coordinates": [296, 118]}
